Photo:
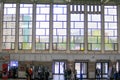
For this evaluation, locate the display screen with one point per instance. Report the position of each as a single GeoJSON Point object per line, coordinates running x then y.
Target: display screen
{"type": "Point", "coordinates": [13, 63]}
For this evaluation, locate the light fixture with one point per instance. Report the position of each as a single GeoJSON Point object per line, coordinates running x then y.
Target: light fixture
{"type": "Point", "coordinates": [68, 0]}
{"type": "Point", "coordinates": [105, 1]}
{"type": "Point", "coordinates": [34, 0]}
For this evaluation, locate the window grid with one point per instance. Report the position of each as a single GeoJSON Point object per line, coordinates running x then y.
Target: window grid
{"type": "Point", "coordinates": [110, 29]}
{"type": "Point", "coordinates": [25, 26]}
{"type": "Point", "coordinates": [94, 9]}
{"type": "Point", "coordinates": [77, 9]}
{"type": "Point", "coordinates": [77, 32]}
{"type": "Point", "coordinates": [42, 27]}
{"type": "Point", "coordinates": [9, 20]}
{"type": "Point", "coordinates": [94, 32]}
{"type": "Point", "coordinates": [59, 27]}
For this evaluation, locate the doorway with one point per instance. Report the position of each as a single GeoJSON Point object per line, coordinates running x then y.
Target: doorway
{"type": "Point", "coordinates": [104, 67]}
{"type": "Point", "coordinates": [82, 69]}
{"type": "Point", "coordinates": [59, 67]}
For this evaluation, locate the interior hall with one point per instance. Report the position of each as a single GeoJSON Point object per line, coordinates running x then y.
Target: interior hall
{"type": "Point", "coordinates": [60, 39]}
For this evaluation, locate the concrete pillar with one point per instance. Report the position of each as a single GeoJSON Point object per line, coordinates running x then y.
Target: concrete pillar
{"type": "Point", "coordinates": [68, 28]}
{"type": "Point", "coordinates": [51, 28]}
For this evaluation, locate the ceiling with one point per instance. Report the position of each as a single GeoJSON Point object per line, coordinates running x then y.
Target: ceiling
{"type": "Point", "coordinates": [65, 1]}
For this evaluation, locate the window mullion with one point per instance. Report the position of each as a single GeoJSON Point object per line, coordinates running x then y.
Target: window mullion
{"type": "Point", "coordinates": [33, 27]}
{"type": "Point", "coordinates": [1, 18]}
{"type": "Point", "coordinates": [118, 26]}
{"type": "Point", "coordinates": [102, 28]}
{"type": "Point", "coordinates": [51, 28]}
{"type": "Point", "coordinates": [86, 29]}
{"type": "Point", "coordinates": [68, 28]}
{"type": "Point", "coordinates": [17, 27]}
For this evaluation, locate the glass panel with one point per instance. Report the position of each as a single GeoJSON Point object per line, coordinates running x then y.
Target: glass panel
{"type": "Point", "coordinates": [94, 32]}
{"type": "Point", "coordinates": [9, 20]}
{"type": "Point", "coordinates": [111, 28]}
{"type": "Point", "coordinates": [77, 67]}
{"type": "Point", "coordinates": [56, 67]}
{"type": "Point", "coordinates": [84, 68]}
{"type": "Point", "coordinates": [59, 27]}
{"type": "Point", "coordinates": [105, 67]}
{"type": "Point", "coordinates": [62, 67]}
{"type": "Point", "coordinates": [25, 26]}
{"type": "Point", "coordinates": [105, 70]}
{"type": "Point", "coordinates": [77, 8]}
{"type": "Point", "coordinates": [98, 65]}
{"type": "Point", "coordinates": [42, 27]}
{"type": "Point", "coordinates": [93, 8]}
{"type": "Point", "coordinates": [118, 66]}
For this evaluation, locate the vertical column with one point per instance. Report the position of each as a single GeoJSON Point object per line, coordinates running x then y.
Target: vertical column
{"type": "Point", "coordinates": [34, 28]}
{"type": "Point", "coordinates": [118, 25]}
{"type": "Point", "coordinates": [102, 29]}
{"type": "Point", "coordinates": [85, 29]}
{"type": "Point", "coordinates": [17, 27]}
{"type": "Point", "coordinates": [1, 18]}
{"type": "Point", "coordinates": [68, 28]}
{"type": "Point", "coordinates": [51, 27]}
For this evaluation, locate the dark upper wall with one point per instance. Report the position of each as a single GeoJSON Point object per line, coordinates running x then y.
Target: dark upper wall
{"type": "Point", "coordinates": [64, 1]}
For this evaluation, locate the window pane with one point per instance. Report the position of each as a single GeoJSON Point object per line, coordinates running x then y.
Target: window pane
{"type": "Point", "coordinates": [9, 20]}
{"type": "Point", "coordinates": [59, 27]}
{"type": "Point", "coordinates": [25, 26]}
{"type": "Point", "coordinates": [42, 27]}
{"type": "Point", "coordinates": [111, 42]}
{"type": "Point", "coordinates": [56, 67]}
{"type": "Point", "coordinates": [94, 32]}
{"type": "Point", "coordinates": [77, 32]}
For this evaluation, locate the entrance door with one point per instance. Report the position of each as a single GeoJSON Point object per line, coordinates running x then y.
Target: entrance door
{"type": "Point", "coordinates": [104, 67]}
{"type": "Point", "coordinates": [58, 70]}
{"type": "Point", "coordinates": [82, 69]}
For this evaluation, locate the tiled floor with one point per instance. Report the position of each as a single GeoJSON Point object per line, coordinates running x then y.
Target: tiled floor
{"type": "Point", "coordinates": [55, 77]}
{"type": "Point", "coordinates": [52, 79]}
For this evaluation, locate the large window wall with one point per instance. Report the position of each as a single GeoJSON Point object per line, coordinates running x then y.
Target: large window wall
{"type": "Point", "coordinates": [73, 27]}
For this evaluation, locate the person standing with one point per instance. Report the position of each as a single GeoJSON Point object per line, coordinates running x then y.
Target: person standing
{"type": "Point", "coordinates": [75, 74]}
{"type": "Point", "coordinates": [27, 73]}
{"type": "Point", "coordinates": [111, 72]}
{"type": "Point", "coordinates": [98, 71]}
{"type": "Point", "coordinates": [30, 73]}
